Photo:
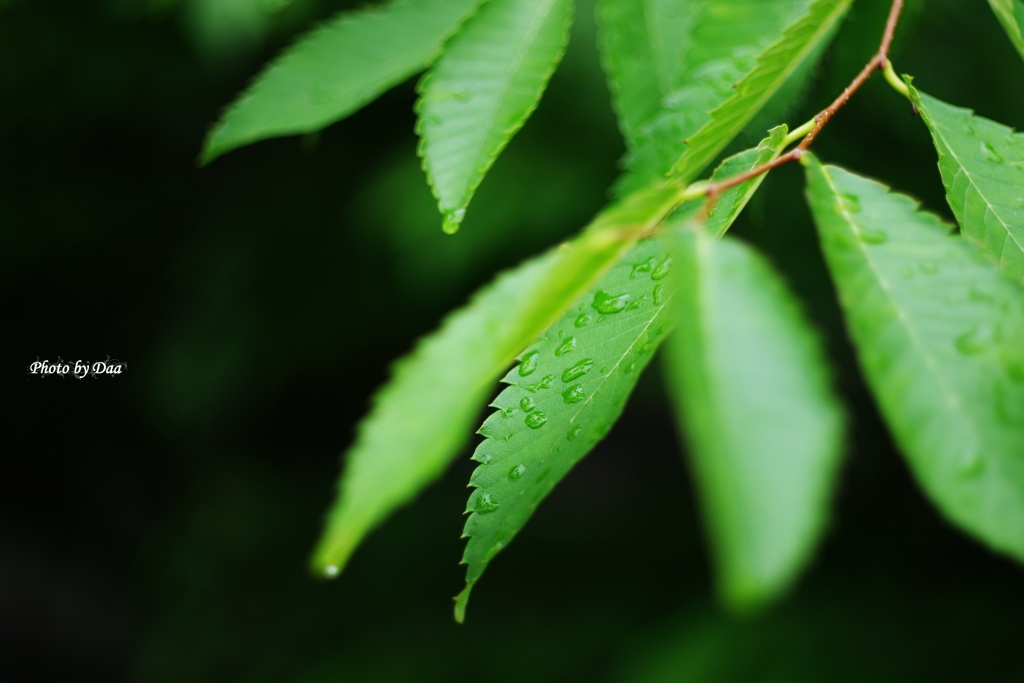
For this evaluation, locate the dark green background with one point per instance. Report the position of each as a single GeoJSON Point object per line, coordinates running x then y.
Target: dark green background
{"type": "Point", "coordinates": [155, 526]}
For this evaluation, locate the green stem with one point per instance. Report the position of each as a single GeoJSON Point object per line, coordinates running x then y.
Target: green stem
{"type": "Point", "coordinates": [894, 80]}
{"type": "Point", "coordinates": [799, 133]}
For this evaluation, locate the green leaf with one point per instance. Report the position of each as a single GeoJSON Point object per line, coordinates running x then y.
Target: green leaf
{"type": "Point", "coordinates": [567, 391]}
{"type": "Point", "coordinates": [731, 202]}
{"type": "Point", "coordinates": [753, 396]}
{"type": "Point", "coordinates": [982, 167]}
{"type": "Point", "coordinates": [1011, 16]}
{"type": "Point", "coordinates": [717, 42]}
{"type": "Point", "coordinates": [642, 47]}
{"type": "Point", "coordinates": [940, 336]}
{"type": "Point", "coordinates": [482, 90]}
{"type": "Point", "coordinates": [626, 340]}
{"type": "Point", "coordinates": [337, 69]}
{"type": "Point", "coordinates": [720, 42]}
{"type": "Point", "coordinates": [420, 418]}
{"type": "Point", "coordinates": [775, 65]}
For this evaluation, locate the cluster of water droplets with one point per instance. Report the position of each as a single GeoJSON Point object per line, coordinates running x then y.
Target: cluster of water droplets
{"type": "Point", "coordinates": [573, 375]}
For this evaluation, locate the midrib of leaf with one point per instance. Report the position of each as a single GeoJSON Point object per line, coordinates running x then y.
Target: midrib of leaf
{"type": "Point", "coordinates": [455, 175]}
{"type": "Point", "coordinates": [774, 66]}
{"type": "Point", "coordinates": [974, 230]}
{"type": "Point", "coordinates": [523, 49]}
{"type": "Point", "coordinates": [990, 206]}
{"type": "Point", "coordinates": [972, 401]}
{"type": "Point", "coordinates": [935, 373]}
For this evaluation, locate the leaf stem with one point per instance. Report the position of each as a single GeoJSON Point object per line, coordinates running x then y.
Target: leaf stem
{"type": "Point", "coordinates": [894, 80]}
{"type": "Point", "coordinates": [810, 130]}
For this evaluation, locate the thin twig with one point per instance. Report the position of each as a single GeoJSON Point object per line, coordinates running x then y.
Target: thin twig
{"type": "Point", "coordinates": [879, 62]}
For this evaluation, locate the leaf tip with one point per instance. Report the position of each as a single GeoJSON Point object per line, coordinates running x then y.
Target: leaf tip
{"type": "Point", "coordinates": [461, 600]}
{"type": "Point", "coordinates": [332, 554]}
{"type": "Point", "coordinates": [453, 220]}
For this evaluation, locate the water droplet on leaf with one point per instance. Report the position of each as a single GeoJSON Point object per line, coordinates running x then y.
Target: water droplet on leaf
{"type": "Point", "coordinates": [657, 294]}
{"type": "Point", "coordinates": [644, 267]}
{"type": "Point", "coordinates": [536, 420]}
{"type": "Point", "coordinates": [975, 341]}
{"type": "Point", "coordinates": [527, 404]}
{"type": "Point", "coordinates": [516, 472]}
{"type": "Point", "coordinates": [576, 371]}
{"type": "Point", "coordinates": [871, 235]}
{"type": "Point", "coordinates": [991, 154]}
{"type": "Point", "coordinates": [331, 571]}
{"type": "Point", "coordinates": [528, 365]}
{"type": "Point", "coordinates": [583, 320]}
{"type": "Point", "coordinates": [485, 503]}
{"type": "Point", "coordinates": [610, 303]}
{"type": "Point", "coordinates": [662, 270]}
{"type": "Point", "coordinates": [851, 202]}
{"type": "Point", "coordinates": [636, 304]}
{"type": "Point", "coordinates": [566, 346]}
{"type": "Point", "coordinates": [574, 394]}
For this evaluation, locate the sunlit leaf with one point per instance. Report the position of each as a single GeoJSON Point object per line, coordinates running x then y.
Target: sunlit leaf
{"type": "Point", "coordinates": [775, 65]}
{"type": "Point", "coordinates": [336, 69]}
{"type": "Point", "coordinates": [422, 417]}
{"type": "Point", "coordinates": [729, 69]}
{"type": "Point", "coordinates": [754, 402]}
{"type": "Point", "coordinates": [482, 90]}
{"type": "Point", "coordinates": [982, 167]}
{"type": "Point", "coordinates": [567, 391]}
{"type": "Point", "coordinates": [940, 336]}
{"type": "Point", "coordinates": [572, 383]}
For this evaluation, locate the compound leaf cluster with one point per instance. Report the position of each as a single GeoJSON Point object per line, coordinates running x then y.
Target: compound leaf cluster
{"type": "Point", "coordinates": [936, 318]}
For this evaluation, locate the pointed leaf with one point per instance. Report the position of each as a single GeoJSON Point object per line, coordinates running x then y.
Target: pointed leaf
{"type": "Point", "coordinates": [717, 43]}
{"type": "Point", "coordinates": [753, 396]}
{"type": "Point", "coordinates": [483, 89]}
{"type": "Point", "coordinates": [337, 69]}
{"type": "Point", "coordinates": [1011, 16]}
{"type": "Point", "coordinates": [626, 341]}
{"type": "Point", "coordinates": [982, 167]}
{"type": "Point", "coordinates": [566, 393]}
{"type": "Point", "coordinates": [421, 417]}
{"type": "Point", "coordinates": [940, 336]}
{"type": "Point", "coordinates": [774, 66]}
{"type": "Point", "coordinates": [721, 42]}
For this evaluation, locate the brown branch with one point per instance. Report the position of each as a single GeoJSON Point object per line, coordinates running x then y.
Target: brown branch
{"type": "Point", "coordinates": [878, 62]}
